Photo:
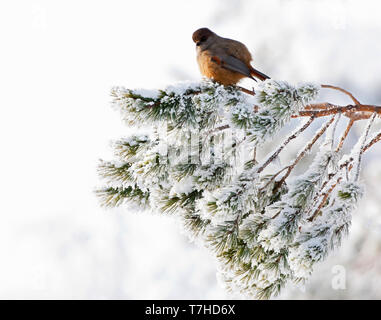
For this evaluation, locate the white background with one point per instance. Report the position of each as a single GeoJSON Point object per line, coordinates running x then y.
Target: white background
{"type": "Point", "coordinates": [58, 61]}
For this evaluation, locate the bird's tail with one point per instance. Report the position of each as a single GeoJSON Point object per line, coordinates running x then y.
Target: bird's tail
{"type": "Point", "coordinates": [258, 74]}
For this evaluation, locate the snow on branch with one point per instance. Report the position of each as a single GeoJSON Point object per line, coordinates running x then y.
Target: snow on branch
{"type": "Point", "coordinates": [266, 225]}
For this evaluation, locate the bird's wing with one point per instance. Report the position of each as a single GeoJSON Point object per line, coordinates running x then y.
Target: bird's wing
{"type": "Point", "coordinates": [237, 49]}
{"type": "Point", "coordinates": [233, 64]}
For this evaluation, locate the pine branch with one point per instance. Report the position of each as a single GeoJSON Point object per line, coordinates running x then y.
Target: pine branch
{"type": "Point", "coordinates": [263, 231]}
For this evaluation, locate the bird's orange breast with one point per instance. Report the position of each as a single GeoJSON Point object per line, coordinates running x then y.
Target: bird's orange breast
{"type": "Point", "coordinates": [213, 70]}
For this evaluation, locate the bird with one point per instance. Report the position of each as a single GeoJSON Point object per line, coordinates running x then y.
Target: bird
{"type": "Point", "coordinates": [223, 60]}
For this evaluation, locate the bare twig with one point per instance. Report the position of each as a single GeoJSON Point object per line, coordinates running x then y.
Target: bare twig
{"type": "Point", "coordinates": [226, 126]}
{"type": "Point", "coordinates": [324, 200]}
{"type": "Point", "coordinates": [304, 151]}
{"type": "Point", "coordinates": [345, 134]}
{"type": "Point", "coordinates": [328, 86]}
{"type": "Point", "coordinates": [320, 106]}
{"type": "Point", "coordinates": [330, 177]}
{"type": "Point", "coordinates": [252, 93]}
{"type": "Point", "coordinates": [347, 164]}
{"type": "Point", "coordinates": [326, 109]}
{"type": "Point", "coordinates": [273, 178]}
{"type": "Point", "coordinates": [372, 142]}
{"type": "Point", "coordinates": [293, 136]}
{"type": "Point", "coordinates": [367, 129]}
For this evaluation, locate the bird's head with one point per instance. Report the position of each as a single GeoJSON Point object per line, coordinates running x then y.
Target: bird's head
{"type": "Point", "coordinates": [202, 37]}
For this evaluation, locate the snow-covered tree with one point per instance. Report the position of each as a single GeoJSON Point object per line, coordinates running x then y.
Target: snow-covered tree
{"type": "Point", "coordinates": [194, 155]}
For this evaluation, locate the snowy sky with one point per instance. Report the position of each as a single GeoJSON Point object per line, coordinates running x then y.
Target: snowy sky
{"type": "Point", "coordinates": [59, 60]}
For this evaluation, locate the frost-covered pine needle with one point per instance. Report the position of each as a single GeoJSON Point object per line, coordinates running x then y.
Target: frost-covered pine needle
{"type": "Point", "coordinates": [197, 164]}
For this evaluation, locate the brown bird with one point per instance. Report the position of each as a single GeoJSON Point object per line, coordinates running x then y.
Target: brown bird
{"type": "Point", "coordinates": [224, 60]}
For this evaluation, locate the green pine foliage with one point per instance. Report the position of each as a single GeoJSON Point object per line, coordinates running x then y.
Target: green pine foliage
{"type": "Point", "coordinates": [197, 164]}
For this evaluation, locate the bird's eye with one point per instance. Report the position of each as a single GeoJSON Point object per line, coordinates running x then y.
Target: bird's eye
{"type": "Point", "coordinates": [203, 38]}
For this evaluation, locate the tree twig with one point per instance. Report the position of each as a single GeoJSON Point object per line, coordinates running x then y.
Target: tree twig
{"type": "Point", "coordinates": [324, 200]}
{"type": "Point", "coordinates": [252, 93]}
{"type": "Point", "coordinates": [293, 136]}
{"type": "Point", "coordinates": [365, 136]}
{"type": "Point", "coordinates": [330, 109]}
{"type": "Point", "coordinates": [372, 142]}
{"type": "Point", "coordinates": [328, 86]}
{"type": "Point", "coordinates": [304, 151]}
{"type": "Point", "coordinates": [345, 134]}
{"type": "Point", "coordinates": [273, 178]}
{"type": "Point", "coordinates": [347, 164]}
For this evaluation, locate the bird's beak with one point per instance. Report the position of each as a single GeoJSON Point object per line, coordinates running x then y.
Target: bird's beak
{"type": "Point", "coordinates": [198, 43]}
